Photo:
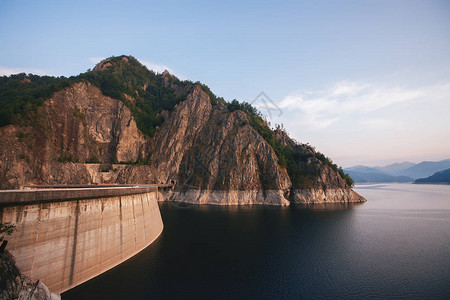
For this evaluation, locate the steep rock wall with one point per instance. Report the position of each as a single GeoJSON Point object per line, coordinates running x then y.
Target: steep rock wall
{"type": "Point", "coordinates": [78, 124]}
{"type": "Point", "coordinates": [215, 156]}
{"type": "Point", "coordinates": [87, 125]}
{"type": "Point", "coordinates": [209, 153]}
{"type": "Point", "coordinates": [14, 285]}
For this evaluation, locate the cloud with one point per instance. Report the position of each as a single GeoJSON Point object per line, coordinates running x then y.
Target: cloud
{"type": "Point", "coordinates": [8, 71]}
{"type": "Point", "coordinates": [322, 108]}
{"type": "Point", "coordinates": [96, 59]}
{"type": "Point", "coordinates": [156, 67]}
{"type": "Point", "coordinates": [380, 124]}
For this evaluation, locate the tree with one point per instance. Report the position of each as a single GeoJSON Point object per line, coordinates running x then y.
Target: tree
{"type": "Point", "coordinates": [5, 228]}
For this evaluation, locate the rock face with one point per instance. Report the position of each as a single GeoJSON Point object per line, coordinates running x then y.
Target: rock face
{"type": "Point", "coordinates": [212, 155]}
{"type": "Point", "coordinates": [333, 195]}
{"type": "Point", "coordinates": [326, 186]}
{"type": "Point", "coordinates": [14, 285]}
{"type": "Point", "coordinates": [215, 156]}
{"type": "Point", "coordinates": [78, 124]}
{"type": "Point", "coordinates": [89, 126]}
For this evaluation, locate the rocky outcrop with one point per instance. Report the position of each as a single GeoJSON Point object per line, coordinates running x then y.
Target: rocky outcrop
{"type": "Point", "coordinates": [215, 156]}
{"type": "Point", "coordinates": [286, 140]}
{"type": "Point", "coordinates": [76, 126]}
{"type": "Point", "coordinates": [85, 125]}
{"type": "Point", "coordinates": [230, 197]}
{"type": "Point", "coordinates": [327, 195]}
{"type": "Point", "coordinates": [325, 185]}
{"type": "Point", "coordinates": [211, 154]}
{"type": "Point", "coordinates": [14, 285]}
{"type": "Point", "coordinates": [177, 134]}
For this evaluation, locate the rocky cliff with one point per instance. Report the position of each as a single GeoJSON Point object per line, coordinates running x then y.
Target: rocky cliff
{"type": "Point", "coordinates": [14, 285]}
{"type": "Point", "coordinates": [212, 151]}
{"type": "Point", "coordinates": [77, 124]}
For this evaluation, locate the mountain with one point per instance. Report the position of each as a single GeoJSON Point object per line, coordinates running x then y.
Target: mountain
{"type": "Point", "coordinates": [426, 168]}
{"type": "Point", "coordinates": [363, 169]}
{"type": "Point", "coordinates": [121, 123]}
{"type": "Point", "coordinates": [397, 172]}
{"type": "Point", "coordinates": [396, 169]}
{"type": "Point", "coordinates": [438, 177]}
{"type": "Point", "coordinates": [363, 174]}
{"type": "Point", "coordinates": [366, 174]}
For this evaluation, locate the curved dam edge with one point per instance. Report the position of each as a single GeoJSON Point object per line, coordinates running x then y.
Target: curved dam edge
{"type": "Point", "coordinates": [118, 263]}
{"type": "Point", "coordinates": [65, 241]}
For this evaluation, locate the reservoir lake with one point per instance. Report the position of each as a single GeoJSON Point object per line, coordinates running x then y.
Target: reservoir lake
{"type": "Point", "coordinates": [395, 245]}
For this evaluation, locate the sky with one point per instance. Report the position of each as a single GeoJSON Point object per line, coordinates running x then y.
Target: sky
{"type": "Point", "coordinates": [365, 82]}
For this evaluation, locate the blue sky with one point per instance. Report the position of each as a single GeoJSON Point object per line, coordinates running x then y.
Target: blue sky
{"type": "Point", "coordinates": [364, 81]}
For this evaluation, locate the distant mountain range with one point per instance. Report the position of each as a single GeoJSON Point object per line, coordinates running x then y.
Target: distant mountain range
{"type": "Point", "coordinates": [438, 177]}
{"type": "Point", "coordinates": [397, 172]}
{"type": "Point", "coordinates": [396, 168]}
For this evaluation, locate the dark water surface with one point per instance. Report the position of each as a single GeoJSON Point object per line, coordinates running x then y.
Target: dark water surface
{"type": "Point", "coordinates": [396, 245]}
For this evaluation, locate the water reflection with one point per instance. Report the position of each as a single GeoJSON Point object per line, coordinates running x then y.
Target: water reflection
{"type": "Point", "coordinates": [326, 206]}
{"type": "Point", "coordinates": [395, 245]}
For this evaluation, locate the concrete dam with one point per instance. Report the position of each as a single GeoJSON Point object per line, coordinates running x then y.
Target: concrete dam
{"type": "Point", "coordinates": [66, 236]}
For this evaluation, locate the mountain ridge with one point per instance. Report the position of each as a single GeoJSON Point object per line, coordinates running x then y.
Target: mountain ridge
{"type": "Point", "coordinates": [396, 168]}
{"type": "Point", "coordinates": [441, 177]}
{"type": "Point", "coordinates": [427, 168]}
{"type": "Point", "coordinates": [397, 172]}
{"type": "Point", "coordinates": [161, 129]}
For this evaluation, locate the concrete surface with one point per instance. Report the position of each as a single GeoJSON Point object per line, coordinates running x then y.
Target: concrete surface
{"type": "Point", "coordinates": [67, 236]}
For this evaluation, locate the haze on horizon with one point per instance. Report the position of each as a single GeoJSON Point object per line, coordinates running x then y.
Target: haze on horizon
{"type": "Point", "coordinates": [365, 82]}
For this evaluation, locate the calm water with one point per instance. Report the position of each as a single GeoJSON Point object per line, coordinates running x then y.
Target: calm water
{"type": "Point", "coordinates": [396, 245]}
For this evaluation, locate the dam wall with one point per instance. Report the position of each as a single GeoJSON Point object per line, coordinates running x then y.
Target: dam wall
{"type": "Point", "coordinates": [67, 236]}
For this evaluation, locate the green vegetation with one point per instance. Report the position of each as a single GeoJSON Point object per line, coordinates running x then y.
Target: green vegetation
{"type": "Point", "coordinates": [344, 175]}
{"type": "Point", "coordinates": [288, 157]}
{"type": "Point", "coordinates": [143, 161]}
{"type": "Point", "coordinates": [67, 157]}
{"type": "Point", "coordinates": [21, 95]}
{"type": "Point", "coordinates": [214, 99]}
{"type": "Point", "coordinates": [438, 177]}
{"type": "Point", "coordinates": [127, 76]}
{"type": "Point", "coordinates": [106, 168]}
{"type": "Point", "coordinates": [146, 95]}
{"type": "Point", "coordinates": [6, 228]}
{"type": "Point", "coordinates": [79, 115]}
{"type": "Point", "coordinates": [93, 160]}
{"type": "Point", "coordinates": [140, 162]}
